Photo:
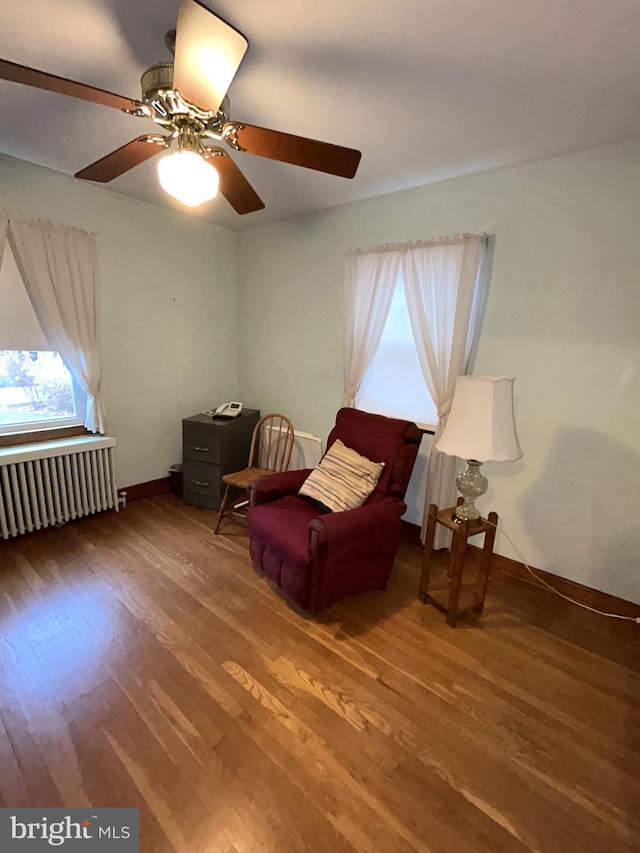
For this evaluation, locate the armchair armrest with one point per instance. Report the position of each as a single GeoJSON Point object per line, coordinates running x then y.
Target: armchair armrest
{"type": "Point", "coordinates": [366, 520]}
{"type": "Point", "coordinates": [353, 551]}
{"type": "Point", "coordinates": [275, 486]}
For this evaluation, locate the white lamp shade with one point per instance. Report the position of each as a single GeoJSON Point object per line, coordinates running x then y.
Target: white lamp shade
{"type": "Point", "coordinates": [481, 424]}
{"type": "Point", "coordinates": [188, 177]}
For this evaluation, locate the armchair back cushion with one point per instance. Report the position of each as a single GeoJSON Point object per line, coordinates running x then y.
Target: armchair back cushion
{"type": "Point", "coordinates": [387, 440]}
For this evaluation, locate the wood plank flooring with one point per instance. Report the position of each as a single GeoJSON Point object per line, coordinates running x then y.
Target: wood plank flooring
{"type": "Point", "coordinates": [144, 662]}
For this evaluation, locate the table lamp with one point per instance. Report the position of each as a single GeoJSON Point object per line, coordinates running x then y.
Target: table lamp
{"type": "Point", "coordinates": [480, 428]}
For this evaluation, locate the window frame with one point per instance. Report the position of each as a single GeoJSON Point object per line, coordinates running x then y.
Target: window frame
{"type": "Point", "coordinates": [12, 439]}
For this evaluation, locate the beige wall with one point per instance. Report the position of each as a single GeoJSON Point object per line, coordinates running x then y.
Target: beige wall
{"type": "Point", "coordinates": [563, 317]}
{"type": "Point", "coordinates": [168, 310]}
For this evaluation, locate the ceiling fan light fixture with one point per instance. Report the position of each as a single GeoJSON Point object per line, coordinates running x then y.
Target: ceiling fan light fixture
{"type": "Point", "coordinates": [187, 177]}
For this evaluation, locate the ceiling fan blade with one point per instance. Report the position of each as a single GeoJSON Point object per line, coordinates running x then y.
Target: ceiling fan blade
{"type": "Point", "coordinates": [297, 150]}
{"type": "Point", "coordinates": [123, 159]}
{"type": "Point", "coordinates": [51, 83]}
{"type": "Point", "coordinates": [233, 185]}
{"type": "Point", "coordinates": [208, 53]}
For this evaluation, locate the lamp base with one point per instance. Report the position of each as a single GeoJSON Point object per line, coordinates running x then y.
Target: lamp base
{"type": "Point", "coordinates": [471, 522]}
{"type": "Point", "coordinates": [471, 485]}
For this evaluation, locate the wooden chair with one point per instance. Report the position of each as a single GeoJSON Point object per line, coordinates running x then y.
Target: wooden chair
{"type": "Point", "coordinates": [270, 452]}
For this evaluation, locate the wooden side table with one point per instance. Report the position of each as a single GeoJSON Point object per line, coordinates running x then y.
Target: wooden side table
{"type": "Point", "coordinates": [462, 531]}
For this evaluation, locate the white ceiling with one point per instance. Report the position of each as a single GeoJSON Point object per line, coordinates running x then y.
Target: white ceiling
{"type": "Point", "coordinates": [426, 89]}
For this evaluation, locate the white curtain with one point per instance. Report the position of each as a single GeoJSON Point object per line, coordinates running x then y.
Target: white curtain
{"type": "Point", "coordinates": [445, 286]}
{"type": "Point", "coordinates": [369, 283]}
{"type": "Point", "coordinates": [59, 266]}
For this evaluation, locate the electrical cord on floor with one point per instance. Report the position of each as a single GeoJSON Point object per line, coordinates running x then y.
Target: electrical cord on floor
{"type": "Point", "coordinates": [542, 582]}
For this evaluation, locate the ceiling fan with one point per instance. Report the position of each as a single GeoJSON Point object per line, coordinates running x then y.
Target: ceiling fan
{"type": "Point", "coordinates": [188, 99]}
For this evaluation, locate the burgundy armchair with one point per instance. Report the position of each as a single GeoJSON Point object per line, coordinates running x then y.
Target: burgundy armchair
{"type": "Point", "coordinates": [318, 557]}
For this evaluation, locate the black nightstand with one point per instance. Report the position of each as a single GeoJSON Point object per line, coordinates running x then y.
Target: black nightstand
{"type": "Point", "coordinates": [212, 447]}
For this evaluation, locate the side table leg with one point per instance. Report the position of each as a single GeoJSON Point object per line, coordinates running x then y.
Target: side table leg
{"type": "Point", "coordinates": [485, 563]}
{"type": "Point", "coordinates": [459, 502]}
{"type": "Point", "coordinates": [428, 550]}
{"type": "Point", "coordinates": [458, 548]}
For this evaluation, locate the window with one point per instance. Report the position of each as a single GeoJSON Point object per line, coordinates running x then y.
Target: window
{"type": "Point", "coordinates": [393, 384]}
{"type": "Point", "coordinates": [36, 389]}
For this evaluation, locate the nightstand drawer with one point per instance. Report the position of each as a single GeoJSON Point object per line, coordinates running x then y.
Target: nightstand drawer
{"type": "Point", "coordinates": [202, 484]}
{"type": "Point", "coordinates": [200, 443]}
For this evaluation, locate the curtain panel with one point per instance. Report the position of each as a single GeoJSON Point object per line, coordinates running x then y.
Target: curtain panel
{"type": "Point", "coordinates": [59, 267]}
{"type": "Point", "coordinates": [445, 284]}
{"type": "Point", "coordinates": [369, 283]}
{"type": "Point", "coordinates": [445, 287]}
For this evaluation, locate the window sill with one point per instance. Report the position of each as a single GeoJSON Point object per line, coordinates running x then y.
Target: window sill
{"type": "Point", "coordinates": [49, 449]}
{"type": "Point", "coordinates": [12, 439]}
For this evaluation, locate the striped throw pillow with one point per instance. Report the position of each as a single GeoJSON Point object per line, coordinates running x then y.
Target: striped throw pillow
{"type": "Point", "coordinates": [343, 480]}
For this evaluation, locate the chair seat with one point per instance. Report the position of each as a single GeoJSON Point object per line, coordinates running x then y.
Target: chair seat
{"type": "Point", "coordinates": [241, 479]}
{"type": "Point", "coordinates": [284, 524]}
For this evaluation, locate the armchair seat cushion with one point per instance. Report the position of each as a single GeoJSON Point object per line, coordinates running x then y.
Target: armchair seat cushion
{"type": "Point", "coordinates": [284, 525]}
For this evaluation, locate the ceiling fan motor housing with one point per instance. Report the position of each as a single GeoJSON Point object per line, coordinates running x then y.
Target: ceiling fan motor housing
{"type": "Point", "coordinates": [156, 79]}
{"type": "Point", "coordinates": [172, 111]}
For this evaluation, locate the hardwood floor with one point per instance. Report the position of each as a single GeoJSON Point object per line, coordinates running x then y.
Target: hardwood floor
{"type": "Point", "coordinates": [145, 663]}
